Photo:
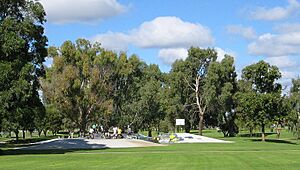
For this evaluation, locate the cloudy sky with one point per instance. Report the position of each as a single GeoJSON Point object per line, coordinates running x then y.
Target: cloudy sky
{"type": "Point", "coordinates": [161, 31]}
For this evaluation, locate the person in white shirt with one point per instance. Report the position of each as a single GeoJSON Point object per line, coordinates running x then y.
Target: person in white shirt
{"type": "Point", "coordinates": [115, 129]}
{"type": "Point", "coordinates": [91, 131]}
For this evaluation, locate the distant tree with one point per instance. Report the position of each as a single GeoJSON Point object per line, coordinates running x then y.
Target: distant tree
{"type": "Point", "coordinates": [294, 105]}
{"type": "Point", "coordinates": [220, 88]}
{"type": "Point", "coordinates": [78, 83]}
{"type": "Point", "coordinates": [263, 77]}
{"type": "Point", "coordinates": [53, 120]}
{"type": "Point", "coordinates": [22, 52]}
{"type": "Point", "coordinates": [127, 80]}
{"type": "Point", "coordinates": [150, 99]}
{"type": "Point", "coordinates": [179, 100]}
{"type": "Point", "coordinates": [245, 116]}
{"type": "Point", "coordinates": [262, 104]}
{"type": "Point", "coordinates": [198, 61]}
{"type": "Point", "coordinates": [188, 97]}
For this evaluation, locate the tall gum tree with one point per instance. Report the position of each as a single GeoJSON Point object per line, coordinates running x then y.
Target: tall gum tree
{"type": "Point", "coordinates": [220, 88]}
{"type": "Point", "coordinates": [128, 75]}
{"type": "Point", "coordinates": [78, 83]}
{"type": "Point", "coordinates": [198, 61]}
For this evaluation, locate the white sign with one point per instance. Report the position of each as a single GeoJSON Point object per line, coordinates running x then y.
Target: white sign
{"type": "Point", "coordinates": [180, 122]}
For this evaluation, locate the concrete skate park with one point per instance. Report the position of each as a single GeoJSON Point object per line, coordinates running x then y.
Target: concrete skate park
{"type": "Point", "coordinates": [98, 143]}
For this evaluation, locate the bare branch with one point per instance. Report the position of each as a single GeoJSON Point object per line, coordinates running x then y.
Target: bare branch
{"type": "Point", "coordinates": [189, 84]}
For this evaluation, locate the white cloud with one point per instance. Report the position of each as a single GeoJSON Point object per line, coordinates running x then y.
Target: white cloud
{"type": "Point", "coordinates": [221, 53]}
{"type": "Point", "coordinates": [171, 35]}
{"type": "Point", "coordinates": [272, 45]}
{"type": "Point", "coordinates": [281, 62]}
{"type": "Point", "coordinates": [288, 74]}
{"type": "Point", "coordinates": [81, 11]}
{"type": "Point", "coordinates": [169, 55]}
{"type": "Point", "coordinates": [113, 40]}
{"type": "Point", "coordinates": [276, 13]}
{"type": "Point", "coordinates": [162, 32]}
{"type": "Point", "coordinates": [287, 27]}
{"type": "Point", "coordinates": [170, 32]}
{"type": "Point", "coordinates": [246, 32]}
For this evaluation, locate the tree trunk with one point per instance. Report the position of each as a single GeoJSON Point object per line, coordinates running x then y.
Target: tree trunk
{"type": "Point", "coordinates": [17, 135]}
{"type": "Point", "coordinates": [187, 127]}
{"type": "Point", "coordinates": [31, 133]}
{"type": "Point", "coordinates": [199, 101]}
{"type": "Point", "coordinates": [200, 123]}
{"type": "Point", "coordinates": [82, 130]}
{"type": "Point", "coordinates": [263, 138]}
{"type": "Point", "coordinates": [149, 133]}
{"type": "Point", "coordinates": [45, 132]}
{"type": "Point", "coordinates": [23, 133]}
{"type": "Point", "coordinates": [39, 133]}
{"type": "Point", "coordinates": [83, 121]}
{"type": "Point", "coordinates": [251, 131]}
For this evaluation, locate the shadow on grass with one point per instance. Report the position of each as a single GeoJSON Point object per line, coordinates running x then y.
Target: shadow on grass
{"type": "Point", "coordinates": [30, 140]}
{"type": "Point", "coordinates": [23, 142]}
{"type": "Point", "coordinates": [60, 146]}
{"type": "Point", "coordinates": [48, 151]}
{"type": "Point", "coordinates": [275, 141]}
{"type": "Point", "coordinates": [255, 134]}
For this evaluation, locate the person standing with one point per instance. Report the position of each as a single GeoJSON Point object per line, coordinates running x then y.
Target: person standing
{"type": "Point", "coordinates": [91, 132]}
{"type": "Point", "coordinates": [115, 129]}
{"type": "Point", "coordinates": [119, 133]}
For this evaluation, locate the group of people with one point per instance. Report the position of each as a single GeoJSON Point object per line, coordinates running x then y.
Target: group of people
{"type": "Point", "coordinates": [94, 129]}
{"type": "Point", "coordinates": [111, 133]}
{"type": "Point", "coordinates": [117, 133]}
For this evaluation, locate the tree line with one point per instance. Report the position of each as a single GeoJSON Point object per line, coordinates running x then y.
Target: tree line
{"type": "Point", "coordinates": [87, 84]}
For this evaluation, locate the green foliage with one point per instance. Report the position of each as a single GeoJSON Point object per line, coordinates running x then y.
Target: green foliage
{"type": "Point", "coordinates": [186, 81]}
{"type": "Point", "coordinates": [150, 98]}
{"type": "Point", "coordinates": [220, 88]}
{"type": "Point", "coordinates": [177, 95]}
{"type": "Point", "coordinates": [89, 85]}
{"type": "Point", "coordinates": [262, 77]}
{"type": "Point", "coordinates": [78, 82]}
{"type": "Point", "coordinates": [127, 80]}
{"type": "Point", "coordinates": [293, 103]}
{"type": "Point", "coordinates": [22, 53]}
{"type": "Point", "coordinates": [259, 101]}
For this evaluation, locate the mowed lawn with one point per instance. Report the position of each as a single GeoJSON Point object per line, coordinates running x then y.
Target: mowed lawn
{"type": "Point", "coordinates": [245, 153]}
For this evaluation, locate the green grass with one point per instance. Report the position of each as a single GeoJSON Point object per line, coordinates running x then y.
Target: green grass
{"type": "Point", "coordinates": [246, 153]}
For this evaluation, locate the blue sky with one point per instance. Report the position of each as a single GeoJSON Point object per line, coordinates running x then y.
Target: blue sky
{"type": "Point", "coordinates": [160, 31]}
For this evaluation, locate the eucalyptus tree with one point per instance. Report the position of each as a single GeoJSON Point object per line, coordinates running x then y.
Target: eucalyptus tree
{"type": "Point", "coordinates": [187, 83]}
{"type": "Point", "coordinates": [198, 61]}
{"type": "Point", "coordinates": [148, 105]}
{"type": "Point", "coordinates": [127, 80]}
{"type": "Point", "coordinates": [219, 89]}
{"type": "Point", "coordinates": [22, 53]}
{"type": "Point", "coordinates": [78, 83]}
{"type": "Point", "coordinates": [179, 98]}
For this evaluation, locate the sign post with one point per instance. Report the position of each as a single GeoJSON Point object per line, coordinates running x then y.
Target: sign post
{"type": "Point", "coordinates": [180, 122]}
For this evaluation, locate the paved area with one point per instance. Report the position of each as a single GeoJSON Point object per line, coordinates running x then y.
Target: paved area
{"type": "Point", "coordinates": [191, 138]}
{"type": "Point", "coordinates": [80, 143]}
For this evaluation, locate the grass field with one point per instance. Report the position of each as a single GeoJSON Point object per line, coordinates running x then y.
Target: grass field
{"type": "Point", "coordinates": [244, 153]}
